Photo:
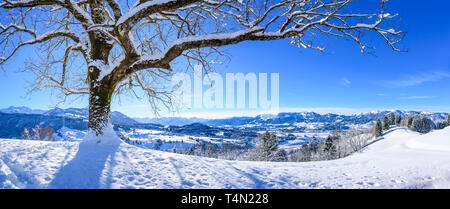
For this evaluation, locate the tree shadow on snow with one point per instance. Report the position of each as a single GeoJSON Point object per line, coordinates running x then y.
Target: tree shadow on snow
{"type": "Point", "coordinates": [85, 170]}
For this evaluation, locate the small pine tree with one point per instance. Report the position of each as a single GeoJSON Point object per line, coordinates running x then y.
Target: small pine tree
{"type": "Point", "coordinates": [448, 120]}
{"type": "Point", "coordinates": [266, 148]}
{"type": "Point", "coordinates": [378, 130]}
{"type": "Point", "coordinates": [330, 147]}
{"type": "Point", "coordinates": [385, 124]}
{"type": "Point", "coordinates": [398, 120]}
{"type": "Point", "coordinates": [268, 145]}
{"type": "Point", "coordinates": [191, 150]}
{"type": "Point", "coordinates": [174, 149]}
{"type": "Point", "coordinates": [157, 145]}
{"type": "Point", "coordinates": [392, 119]}
{"type": "Point", "coordinates": [410, 120]}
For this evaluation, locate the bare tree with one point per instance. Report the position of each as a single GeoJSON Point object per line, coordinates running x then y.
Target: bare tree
{"type": "Point", "coordinates": [105, 47]}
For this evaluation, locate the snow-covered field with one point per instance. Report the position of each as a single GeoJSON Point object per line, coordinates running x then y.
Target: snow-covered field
{"type": "Point", "coordinates": [402, 159]}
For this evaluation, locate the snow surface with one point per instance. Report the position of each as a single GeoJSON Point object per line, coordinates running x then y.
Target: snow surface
{"type": "Point", "coordinates": [402, 159]}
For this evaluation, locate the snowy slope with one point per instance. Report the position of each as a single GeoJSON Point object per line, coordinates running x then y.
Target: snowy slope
{"type": "Point", "coordinates": [402, 159]}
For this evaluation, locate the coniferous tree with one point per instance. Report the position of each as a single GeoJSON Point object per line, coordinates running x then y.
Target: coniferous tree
{"type": "Point", "coordinates": [266, 148]}
{"type": "Point", "coordinates": [448, 120]}
{"type": "Point", "coordinates": [330, 147]}
{"type": "Point", "coordinates": [385, 124]}
{"type": "Point", "coordinates": [398, 120]}
{"type": "Point", "coordinates": [191, 150]}
{"type": "Point", "coordinates": [392, 119]}
{"type": "Point", "coordinates": [378, 130]}
{"type": "Point", "coordinates": [410, 120]}
{"type": "Point", "coordinates": [422, 124]}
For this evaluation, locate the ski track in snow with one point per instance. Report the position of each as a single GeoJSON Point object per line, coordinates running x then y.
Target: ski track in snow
{"type": "Point", "coordinates": [402, 159]}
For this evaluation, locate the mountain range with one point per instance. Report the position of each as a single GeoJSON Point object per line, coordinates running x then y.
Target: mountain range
{"type": "Point", "coordinates": [294, 121]}
{"type": "Point", "coordinates": [14, 119]}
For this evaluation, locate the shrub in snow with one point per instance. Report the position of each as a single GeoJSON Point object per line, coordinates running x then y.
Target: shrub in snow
{"type": "Point", "coordinates": [38, 133]}
{"type": "Point", "coordinates": [211, 151]}
{"type": "Point", "coordinates": [280, 156]}
{"type": "Point", "coordinates": [441, 124]}
{"type": "Point", "coordinates": [26, 134]}
{"type": "Point", "coordinates": [157, 145]}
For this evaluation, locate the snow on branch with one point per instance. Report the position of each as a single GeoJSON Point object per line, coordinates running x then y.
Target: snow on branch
{"type": "Point", "coordinates": [42, 38]}
{"type": "Point", "coordinates": [146, 7]}
{"type": "Point", "coordinates": [309, 20]}
{"type": "Point", "coordinates": [117, 44]}
{"type": "Point", "coordinates": [70, 5]}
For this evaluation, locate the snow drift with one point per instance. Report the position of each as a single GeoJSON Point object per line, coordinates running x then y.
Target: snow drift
{"type": "Point", "coordinates": [402, 159]}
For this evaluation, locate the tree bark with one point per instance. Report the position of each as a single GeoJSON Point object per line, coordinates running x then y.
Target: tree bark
{"type": "Point", "coordinates": [100, 89]}
{"type": "Point", "coordinates": [99, 107]}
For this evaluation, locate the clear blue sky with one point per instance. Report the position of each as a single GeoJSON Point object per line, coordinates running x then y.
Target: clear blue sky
{"type": "Point", "coordinates": [340, 80]}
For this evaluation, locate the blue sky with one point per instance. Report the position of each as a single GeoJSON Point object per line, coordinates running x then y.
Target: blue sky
{"type": "Point", "coordinates": [340, 80]}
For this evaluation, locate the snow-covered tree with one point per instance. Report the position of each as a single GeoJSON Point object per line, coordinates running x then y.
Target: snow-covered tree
{"type": "Point", "coordinates": [191, 150]}
{"type": "Point", "coordinates": [392, 119]}
{"type": "Point", "coordinates": [26, 134]}
{"type": "Point", "coordinates": [211, 151]}
{"type": "Point", "coordinates": [266, 148]}
{"type": "Point", "coordinates": [386, 124]}
{"type": "Point", "coordinates": [103, 48]}
{"type": "Point", "coordinates": [330, 147]}
{"type": "Point", "coordinates": [157, 145]}
{"type": "Point", "coordinates": [409, 121]}
{"type": "Point", "coordinates": [280, 156]}
{"type": "Point", "coordinates": [36, 133]}
{"type": "Point", "coordinates": [441, 124]}
{"type": "Point", "coordinates": [422, 124]}
{"type": "Point", "coordinates": [378, 129]}
{"type": "Point", "coordinates": [398, 120]}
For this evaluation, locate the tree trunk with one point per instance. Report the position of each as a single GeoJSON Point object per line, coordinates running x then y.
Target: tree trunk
{"type": "Point", "coordinates": [100, 89]}
{"type": "Point", "coordinates": [99, 107]}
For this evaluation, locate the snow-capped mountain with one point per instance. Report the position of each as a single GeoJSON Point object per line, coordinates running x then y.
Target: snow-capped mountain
{"type": "Point", "coordinates": [21, 110]}
{"type": "Point", "coordinates": [171, 121]}
{"type": "Point", "coordinates": [13, 120]}
{"type": "Point", "coordinates": [83, 113]}
{"type": "Point", "coordinates": [298, 121]}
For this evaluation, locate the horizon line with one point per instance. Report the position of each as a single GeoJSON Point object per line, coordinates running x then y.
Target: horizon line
{"type": "Point", "coordinates": [255, 113]}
